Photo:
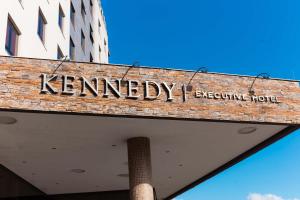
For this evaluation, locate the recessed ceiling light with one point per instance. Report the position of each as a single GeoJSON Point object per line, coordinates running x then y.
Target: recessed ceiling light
{"type": "Point", "coordinates": [247, 130]}
{"type": "Point", "coordinates": [7, 120]}
{"type": "Point", "coordinates": [123, 175]}
{"type": "Point", "coordinates": [78, 171]}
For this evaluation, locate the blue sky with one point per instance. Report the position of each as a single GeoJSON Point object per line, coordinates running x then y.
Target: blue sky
{"type": "Point", "coordinates": [229, 36]}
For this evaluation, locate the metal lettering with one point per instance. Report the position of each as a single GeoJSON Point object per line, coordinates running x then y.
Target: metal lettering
{"type": "Point", "coordinates": [244, 98]}
{"type": "Point", "coordinates": [276, 100]}
{"type": "Point", "coordinates": [108, 85]}
{"type": "Point", "coordinates": [224, 96]}
{"type": "Point", "coordinates": [198, 94]}
{"type": "Point", "coordinates": [152, 90]}
{"type": "Point", "coordinates": [261, 98]}
{"type": "Point", "coordinates": [210, 95]}
{"type": "Point", "coordinates": [238, 96]}
{"type": "Point", "coordinates": [46, 87]}
{"type": "Point", "coordinates": [147, 90]}
{"type": "Point", "coordinates": [184, 97]}
{"type": "Point", "coordinates": [254, 98]}
{"type": "Point", "coordinates": [68, 87]}
{"type": "Point", "coordinates": [217, 96]}
{"type": "Point", "coordinates": [169, 90]}
{"type": "Point", "coordinates": [132, 89]}
{"type": "Point", "coordinates": [85, 84]}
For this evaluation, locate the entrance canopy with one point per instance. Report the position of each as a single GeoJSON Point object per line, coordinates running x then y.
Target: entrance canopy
{"type": "Point", "coordinates": [64, 131]}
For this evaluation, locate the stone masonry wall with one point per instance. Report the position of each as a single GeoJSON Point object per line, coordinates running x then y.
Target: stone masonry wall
{"type": "Point", "coordinates": [20, 89]}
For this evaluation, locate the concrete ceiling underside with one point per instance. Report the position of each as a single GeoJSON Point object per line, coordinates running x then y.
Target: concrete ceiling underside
{"type": "Point", "coordinates": [62, 154]}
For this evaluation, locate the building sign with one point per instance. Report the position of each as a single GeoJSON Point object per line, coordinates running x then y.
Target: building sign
{"type": "Point", "coordinates": [135, 89]}
{"type": "Point", "coordinates": [235, 97]}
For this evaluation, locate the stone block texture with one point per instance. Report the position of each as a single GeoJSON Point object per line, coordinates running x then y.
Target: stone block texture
{"type": "Point", "coordinates": [20, 89]}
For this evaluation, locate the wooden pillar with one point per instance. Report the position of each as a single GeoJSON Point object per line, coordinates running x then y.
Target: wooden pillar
{"type": "Point", "coordinates": [140, 171]}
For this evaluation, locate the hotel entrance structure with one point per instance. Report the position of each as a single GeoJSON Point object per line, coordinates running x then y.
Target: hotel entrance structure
{"type": "Point", "coordinates": [102, 131]}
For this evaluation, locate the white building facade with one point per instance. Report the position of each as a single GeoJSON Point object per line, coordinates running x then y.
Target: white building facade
{"type": "Point", "coordinates": [53, 29]}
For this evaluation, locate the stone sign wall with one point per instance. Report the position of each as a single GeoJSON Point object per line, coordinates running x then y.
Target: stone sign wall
{"type": "Point", "coordinates": [115, 90]}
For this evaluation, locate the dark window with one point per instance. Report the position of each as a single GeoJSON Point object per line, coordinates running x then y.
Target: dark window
{"type": "Point", "coordinates": [12, 34]}
{"type": "Point", "coordinates": [42, 26]}
{"type": "Point", "coordinates": [105, 47]}
{"type": "Point", "coordinates": [91, 7]}
{"type": "Point", "coordinates": [72, 14]}
{"type": "Point", "coordinates": [91, 34]}
{"type": "Point", "coordinates": [72, 50]}
{"type": "Point", "coordinates": [61, 17]}
{"type": "Point", "coordinates": [60, 54]}
{"type": "Point", "coordinates": [100, 54]}
{"type": "Point", "coordinates": [99, 26]}
{"type": "Point", "coordinates": [83, 12]}
{"type": "Point", "coordinates": [91, 58]}
{"type": "Point", "coordinates": [82, 41]}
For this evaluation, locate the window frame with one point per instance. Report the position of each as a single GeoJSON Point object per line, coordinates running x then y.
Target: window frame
{"type": "Point", "coordinates": [72, 49]}
{"type": "Point", "coordinates": [91, 8]}
{"type": "Point", "coordinates": [8, 39]}
{"type": "Point", "coordinates": [72, 14]}
{"type": "Point", "coordinates": [100, 51]}
{"type": "Point", "coordinates": [91, 34]}
{"type": "Point", "coordinates": [83, 11]}
{"type": "Point", "coordinates": [99, 26]}
{"type": "Point", "coordinates": [91, 58]}
{"type": "Point", "coordinates": [59, 52]}
{"type": "Point", "coordinates": [83, 41]}
{"type": "Point", "coordinates": [61, 18]}
{"type": "Point", "coordinates": [42, 17]}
